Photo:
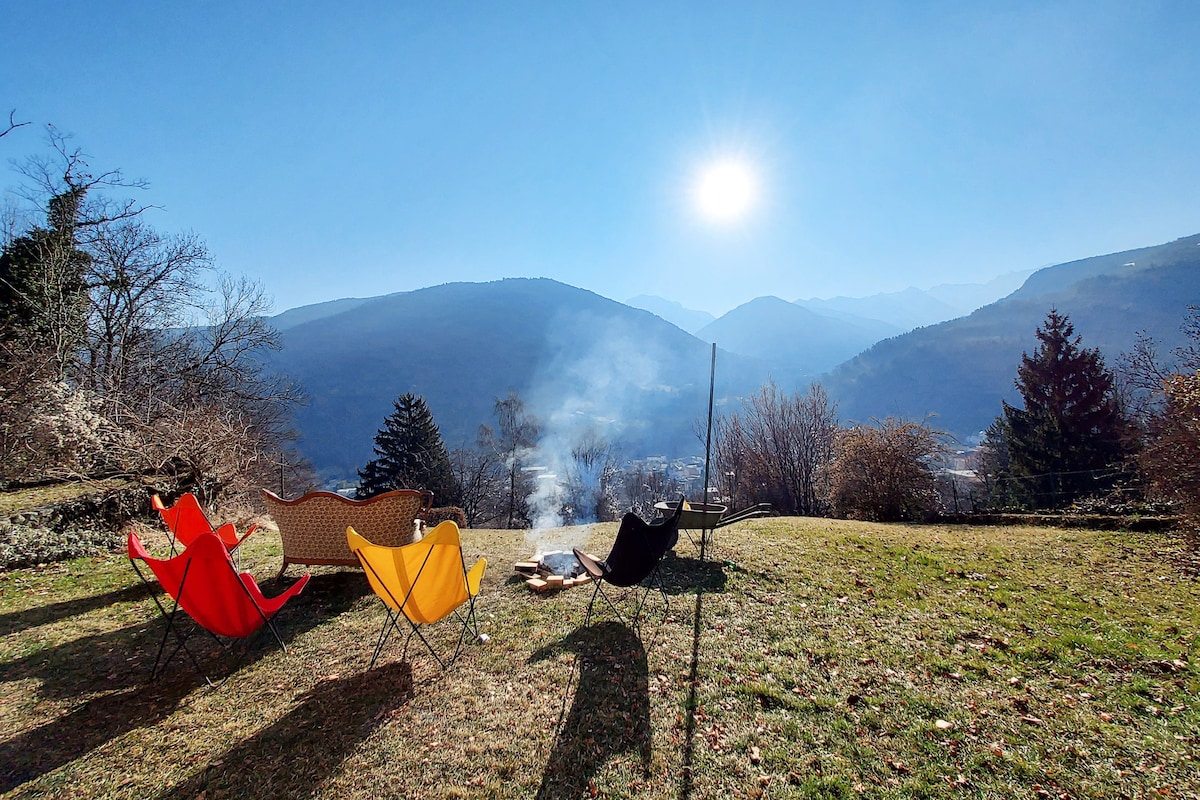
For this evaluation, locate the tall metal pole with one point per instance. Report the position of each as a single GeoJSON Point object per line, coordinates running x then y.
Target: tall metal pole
{"type": "Point", "coordinates": [712, 377]}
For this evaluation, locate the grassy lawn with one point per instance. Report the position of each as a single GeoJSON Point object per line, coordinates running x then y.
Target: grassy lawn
{"type": "Point", "coordinates": [810, 658]}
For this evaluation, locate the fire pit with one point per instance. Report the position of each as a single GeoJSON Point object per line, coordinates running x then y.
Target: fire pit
{"type": "Point", "coordinates": [556, 569]}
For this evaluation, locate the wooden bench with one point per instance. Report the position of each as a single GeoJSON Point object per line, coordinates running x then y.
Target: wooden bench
{"type": "Point", "coordinates": [313, 527]}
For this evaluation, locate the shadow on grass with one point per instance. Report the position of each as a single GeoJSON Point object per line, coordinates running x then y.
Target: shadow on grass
{"type": "Point", "coordinates": [115, 668]}
{"type": "Point", "coordinates": [123, 658]}
{"type": "Point", "coordinates": [17, 621]}
{"type": "Point", "coordinates": [684, 575]}
{"type": "Point", "coordinates": [686, 771]}
{"type": "Point", "coordinates": [88, 726]}
{"type": "Point", "coordinates": [610, 711]}
{"type": "Point", "coordinates": [295, 755]}
{"type": "Point", "coordinates": [326, 596]}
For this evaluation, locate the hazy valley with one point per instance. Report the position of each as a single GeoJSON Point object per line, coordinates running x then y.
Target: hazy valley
{"type": "Point", "coordinates": [640, 379]}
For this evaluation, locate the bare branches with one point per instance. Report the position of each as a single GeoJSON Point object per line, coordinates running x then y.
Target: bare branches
{"type": "Point", "coordinates": [13, 124]}
{"type": "Point", "coordinates": [776, 448]}
{"type": "Point", "coordinates": [161, 372]}
{"type": "Point", "coordinates": [1170, 454]}
{"type": "Point", "coordinates": [68, 173]}
{"type": "Point", "coordinates": [1147, 372]}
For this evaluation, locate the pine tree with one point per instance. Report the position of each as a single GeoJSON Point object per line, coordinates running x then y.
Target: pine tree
{"type": "Point", "coordinates": [43, 284]}
{"type": "Point", "coordinates": [1066, 441]}
{"type": "Point", "coordinates": [409, 454]}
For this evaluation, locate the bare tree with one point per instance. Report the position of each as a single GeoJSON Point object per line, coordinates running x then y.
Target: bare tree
{"type": "Point", "coordinates": [163, 371]}
{"type": "Point", "coordinates": [1168, 414]}
{"type": "Point", "coordinates": [1170, 457]}
{"type": "Point", "coordinates": [637, 489]}
{"type": "Point", "coordinates": [591, 481]}
{"type": "Point", "coordinates": [145, 295]}
{"type": "Point", "coordinates": [776, 449]}
{"type": "Point", "coordinates": [481, 479]}
{"type": "Point", "coordinates": [1147, 371]}
{"type": "Point", "coordinates": [517, 435]}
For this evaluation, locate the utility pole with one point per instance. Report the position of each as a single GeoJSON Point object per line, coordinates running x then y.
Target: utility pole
{"type": "Point", "coordinates": [282, 463]}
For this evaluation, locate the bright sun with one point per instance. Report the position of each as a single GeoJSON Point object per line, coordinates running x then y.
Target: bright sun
{"type": "Point", "coordinates": [725, 191]}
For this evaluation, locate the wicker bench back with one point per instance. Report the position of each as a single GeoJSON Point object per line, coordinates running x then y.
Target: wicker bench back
{"type": "Point", "coordinates": [313, 527]}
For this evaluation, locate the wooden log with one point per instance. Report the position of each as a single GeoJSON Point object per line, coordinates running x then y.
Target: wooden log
{"type": "Point", "coordinates": [537, 584]}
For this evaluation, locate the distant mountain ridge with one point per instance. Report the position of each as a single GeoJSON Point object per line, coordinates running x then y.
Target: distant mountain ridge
{"type": "Point", "coordinates": [582, 361]}
{"type": "Point", "coordinates": [790, 337]}
{"type": "Point", "coordinates": [915, 308]}
{"type": "Point", "coordinates": [686, 319]}
{"type": "Point", "coordinates": [886, 313]}
{"type": "Point", "coordinates": [298, 316]}
{"type": "Point", "coordinates": [959, 370]}
{"type": "Point", "coordinates": [577, 359]}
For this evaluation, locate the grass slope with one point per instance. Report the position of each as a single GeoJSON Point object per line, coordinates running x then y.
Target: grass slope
{"type": "Point", "coordinates": [813, 659]}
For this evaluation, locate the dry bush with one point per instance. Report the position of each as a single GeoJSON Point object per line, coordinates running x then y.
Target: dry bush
{"type": "Point", "coordinates": [884, 472]}
{"type": "Point", "coordinates": [48, 428]}
{"type": "Point", "coordinates": [1170, 457]}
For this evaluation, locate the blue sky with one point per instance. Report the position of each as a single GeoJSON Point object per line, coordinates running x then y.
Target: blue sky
{"type": "Point", "coordinates": [356, 149]}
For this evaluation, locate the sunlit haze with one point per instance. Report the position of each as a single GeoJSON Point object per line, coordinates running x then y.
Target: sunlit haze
{"type": "Point", "coordinates": [329, 151]}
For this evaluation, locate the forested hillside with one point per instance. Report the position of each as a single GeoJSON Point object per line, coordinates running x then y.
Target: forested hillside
{"type": "Point", "coordinates": [577, 359]}
{"type": "Point", "coordinates": [960, 370]}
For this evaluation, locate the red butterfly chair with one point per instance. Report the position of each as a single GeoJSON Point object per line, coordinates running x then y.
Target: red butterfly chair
{"type": "Point", "coordinates": [186, 520]}
{"type": "Point", "coordinates": [203, 581]}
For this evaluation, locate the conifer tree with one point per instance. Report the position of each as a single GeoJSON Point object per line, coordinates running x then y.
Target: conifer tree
{"type": "Point", "coordinates": [409, 454]}
{"type": "Point", "coordinates": [43, 284]}
{"type": "Point", "coordinates": [1066, 442]}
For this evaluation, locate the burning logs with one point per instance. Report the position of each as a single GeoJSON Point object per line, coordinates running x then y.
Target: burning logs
{"type": "Point", "coordinates": [554, 570]}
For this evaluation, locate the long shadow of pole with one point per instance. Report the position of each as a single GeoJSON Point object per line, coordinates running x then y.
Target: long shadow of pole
{"type": "Point", "coordinates": [686, 781]}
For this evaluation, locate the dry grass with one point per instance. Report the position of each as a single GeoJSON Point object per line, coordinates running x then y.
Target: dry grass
{"type": "Point", "coordinates": [34, 497]}
{"type": "Point", "coordinates": [811, 659]}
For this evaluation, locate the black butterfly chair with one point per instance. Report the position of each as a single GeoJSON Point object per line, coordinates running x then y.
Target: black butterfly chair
{"type": "Point", "coordinates": [634, 559]}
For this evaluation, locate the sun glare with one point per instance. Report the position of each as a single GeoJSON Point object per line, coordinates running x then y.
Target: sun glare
{"type": "Point", "coordinates": [725, 191]}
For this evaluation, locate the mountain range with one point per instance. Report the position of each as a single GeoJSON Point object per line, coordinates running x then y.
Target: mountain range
{"type": "Point", "coordinates": [958, 371]}
{"type": "Point", "coordinates": [580, 363]}
{"type": "Point", "coordinates": [584, 363]}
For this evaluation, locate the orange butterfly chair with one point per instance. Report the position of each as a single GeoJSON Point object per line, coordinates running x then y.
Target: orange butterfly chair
{"type": "Point", "coordinates": [186, 520]}
{"type": "Point", "coordinates": [203, 581]}
{"type": "Point", "coordinates": [424, 582]}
